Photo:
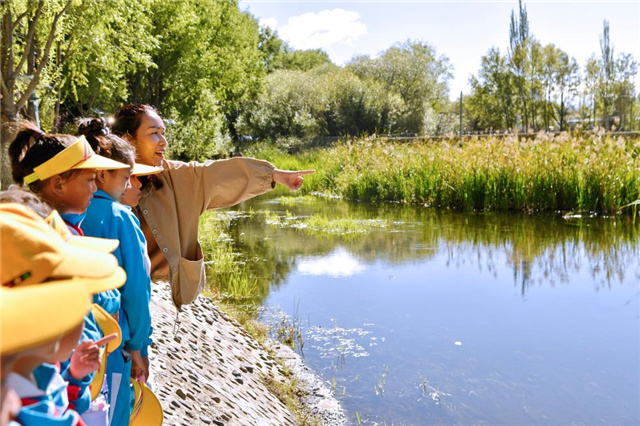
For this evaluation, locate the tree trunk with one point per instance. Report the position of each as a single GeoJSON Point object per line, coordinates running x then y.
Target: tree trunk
{"type": "Point", "coordinates": [8, 117]}
{"type": "Point", "coordinates": [562, 111]}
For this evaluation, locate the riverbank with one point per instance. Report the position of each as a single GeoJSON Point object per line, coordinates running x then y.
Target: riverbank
{"type": "Point", "coordinates": [207, 370]}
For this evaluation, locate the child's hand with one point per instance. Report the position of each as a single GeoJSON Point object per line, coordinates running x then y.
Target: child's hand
{"type": "Point", "coordinates": [145, 361]}
{"type": "Point", "coordinates": [138, 370]}
{"type": "Point", "coordinates": [86, 357]}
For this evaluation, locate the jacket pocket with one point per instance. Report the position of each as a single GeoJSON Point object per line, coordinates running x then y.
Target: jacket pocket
{"type": "Point", "coordinates": [191, 277]}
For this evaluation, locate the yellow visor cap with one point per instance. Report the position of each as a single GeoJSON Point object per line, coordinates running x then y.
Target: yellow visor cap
{"type": "Point", "coordinates": [78, 155]}
{"type": "Point", "coordinates": [145, 170]}
{"type": "Point", "coordinates": [108, 325]}
{"type": "Point", "coordinates": [35, 315]}
{"type": "Point", "coordinates": [31, 252]}
{"type": "Point", "coordinates": [103, 245]}
{"type": "Point", "coordinates": [146, 410]}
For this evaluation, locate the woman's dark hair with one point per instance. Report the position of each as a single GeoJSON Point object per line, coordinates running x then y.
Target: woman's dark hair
{"type": "Point", "coordinates": [126, 122]}
{"type": "Point", "coordinates": [128, 118]}
{"type": "Point", "coordinates": [104, 143]}
{"type": "Point", "coordinates": [31, 147]}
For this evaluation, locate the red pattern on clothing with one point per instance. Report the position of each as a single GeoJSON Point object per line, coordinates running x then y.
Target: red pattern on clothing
{"type": "Point", "coordinates": [75, 228]}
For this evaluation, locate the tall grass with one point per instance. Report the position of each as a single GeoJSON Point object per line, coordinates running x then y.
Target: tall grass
{"type": "Point", "coordinates": [563, 172]}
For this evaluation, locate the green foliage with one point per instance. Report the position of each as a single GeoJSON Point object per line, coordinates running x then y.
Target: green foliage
{"type": "Point", "coordinates": [100, 49]}
{"type": "Point", "coordinates": [492, 102]}
{"type": "Point", "coordinates": [304, 60]}
{"type": "Point", "coordinates": [216, 76]}
{"type": "Point", "coordinates": [199, 136]}
{"type": "Point", "coordinates": [208, 59]}
{"type": "Point", "coordinates": [609, 87]}
{"type": "Point", "coordinates": [534, 87]}
{"type": "Point", "coordinates": [403, 91]}
{"type": "Point", "coordinates": [286, 107]}
{"type": "Point", "coordinates": [568, 172]}
{"type": "Point", "coordinates": [413, 72]}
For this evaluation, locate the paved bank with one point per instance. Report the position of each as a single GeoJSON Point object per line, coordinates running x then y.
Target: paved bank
{"type": "Point", "coordinates": [207, 370]}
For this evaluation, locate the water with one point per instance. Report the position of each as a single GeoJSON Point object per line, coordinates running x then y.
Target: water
{"type": "Point", "coordinates": [446, 318]}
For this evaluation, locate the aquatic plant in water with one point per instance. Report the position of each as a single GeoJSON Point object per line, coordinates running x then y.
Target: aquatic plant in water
{"type": "Point", "coordinates": [566, 172]}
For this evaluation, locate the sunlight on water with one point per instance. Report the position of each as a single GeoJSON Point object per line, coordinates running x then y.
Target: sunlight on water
{"type": "Point", "coordinates": [340, 263]}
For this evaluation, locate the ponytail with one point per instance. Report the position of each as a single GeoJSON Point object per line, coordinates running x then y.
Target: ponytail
{"type": "Point", "coordinates": [30, 148]}
{"type": "Point", "coordinates": [104, 143]}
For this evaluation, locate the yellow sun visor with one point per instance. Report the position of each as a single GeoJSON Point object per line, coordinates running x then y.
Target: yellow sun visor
{"type": "Point", "coordinates": [79, 155]}
{"type": "Point", "coordinates": [145, 170]}
{"type": "Point", "coordinates": [146, 410]}
{"type": "Point", "coordinates": [34, 315]}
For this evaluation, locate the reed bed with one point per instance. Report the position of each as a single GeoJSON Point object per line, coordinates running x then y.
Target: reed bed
{"type": "Point", "coordinates": [566, 172]}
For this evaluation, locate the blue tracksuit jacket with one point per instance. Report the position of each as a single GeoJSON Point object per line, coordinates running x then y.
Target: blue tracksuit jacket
{"type": "Point", "coordinates": [106, 218]}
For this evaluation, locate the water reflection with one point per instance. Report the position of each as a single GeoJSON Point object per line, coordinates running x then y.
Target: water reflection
{"type": "Point", "coordinates": [444, 318]}
{"type": "Point", "coordinates": [338, 263]}
{"type": "Point", "coordinates": [540, 250]}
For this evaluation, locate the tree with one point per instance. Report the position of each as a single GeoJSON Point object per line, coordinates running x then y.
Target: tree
{"type": "Point", "coordinates": [492, 102]}
{"type": "Point", "coordinates": [29, 30]}
{"type": "Point", "coordinates": [560, 78]}
{"type": "Point", "coordinates": [272, 49]}
{"type": "Point", "coordinates": [520, 60]}
{"type": "Point", "coordinates": [591, 89]}
{"type": "Point", "coordinates": [607, 76]}
{"type": "Point", "coordinates": [626, 70]}
{"type": "Point", "coordinates": [208, 53]}
{"type": "Point", "coordinates": [413, 71]}
{"type": "Point", "coordinates": [609, 85]}
{"type": "Point", "coordinates": [304, 60]}
{"type": "Point", "coordinates": [324, 101]}
{"type": "Point", "coordinates": [105, 41]}
{"type": "Point", "coordinates": [74, 55]}
{"type": "Point", "coordinates": [568, 81]}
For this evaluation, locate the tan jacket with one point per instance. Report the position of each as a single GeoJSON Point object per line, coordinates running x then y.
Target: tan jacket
{"type": "Point", "coordinates": [169, 216]}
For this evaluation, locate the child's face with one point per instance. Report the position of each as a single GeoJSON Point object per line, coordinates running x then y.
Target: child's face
{"type": "Point", "coordinates": [74, 194]}
{"type": "Point", "coordinates": [133, 194]}
{"type": "Point", "coordinates": [114, 182]}
{"type": "Point", "coordinates": [68, 343]}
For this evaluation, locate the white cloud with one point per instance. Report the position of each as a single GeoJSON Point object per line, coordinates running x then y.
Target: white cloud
{"type": "Point", "coordinates": [340, 263]}
{"type": "Point", "coordinates": [323, 29]}
{"type": "Point", "coordinates": [269, 22]}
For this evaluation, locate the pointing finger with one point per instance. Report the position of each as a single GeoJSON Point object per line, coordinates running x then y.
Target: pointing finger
{"type": "Point", "coordinates": [106, 339]}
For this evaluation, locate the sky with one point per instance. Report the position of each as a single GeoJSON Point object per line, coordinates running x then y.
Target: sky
{"type": "Point", "coordinates": [463, 31]}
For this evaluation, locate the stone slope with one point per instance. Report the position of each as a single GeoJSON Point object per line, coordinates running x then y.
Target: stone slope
{"type": "Point", "coordinates": [207, 370]}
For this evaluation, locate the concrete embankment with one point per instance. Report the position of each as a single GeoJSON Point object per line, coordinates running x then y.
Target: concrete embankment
{"type": "Point", "coordinates": [207, 370]}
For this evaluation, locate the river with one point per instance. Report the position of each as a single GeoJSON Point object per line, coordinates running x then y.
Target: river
{"type": "Point", "coordinates": [415, 316]}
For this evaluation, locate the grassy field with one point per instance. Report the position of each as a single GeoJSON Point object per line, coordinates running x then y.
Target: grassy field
{"type": "Point", "coordinates": [547, 173]}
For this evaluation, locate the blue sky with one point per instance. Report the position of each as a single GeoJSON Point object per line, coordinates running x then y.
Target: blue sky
{"type": "Point", "coordinates": [462, 31]}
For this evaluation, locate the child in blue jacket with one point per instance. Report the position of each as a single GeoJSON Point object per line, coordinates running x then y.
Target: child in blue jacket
{"type": "Point", "coordinates": [107, 218]}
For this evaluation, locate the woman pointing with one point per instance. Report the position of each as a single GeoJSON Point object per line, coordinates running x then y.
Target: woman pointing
{"type": "Point", "coordinates": [171, 204]}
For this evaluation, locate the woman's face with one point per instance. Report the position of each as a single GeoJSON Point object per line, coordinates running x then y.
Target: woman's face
{"type": "Point", "coordinates": [150, 139]}
{"type": "Point", "coordinates": [73, 194]}
{"type": "Point", "coordinates": [114, 182]}
{"type": "Point", "coordinates": [133, 194]}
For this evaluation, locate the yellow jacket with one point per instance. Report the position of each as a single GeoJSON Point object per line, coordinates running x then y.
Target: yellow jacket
{"type": "Point", "coordinates": [169, 215]}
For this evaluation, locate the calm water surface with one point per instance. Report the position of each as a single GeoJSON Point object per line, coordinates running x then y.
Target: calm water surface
{"type": "Point", "coordinates": [447, 318]}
